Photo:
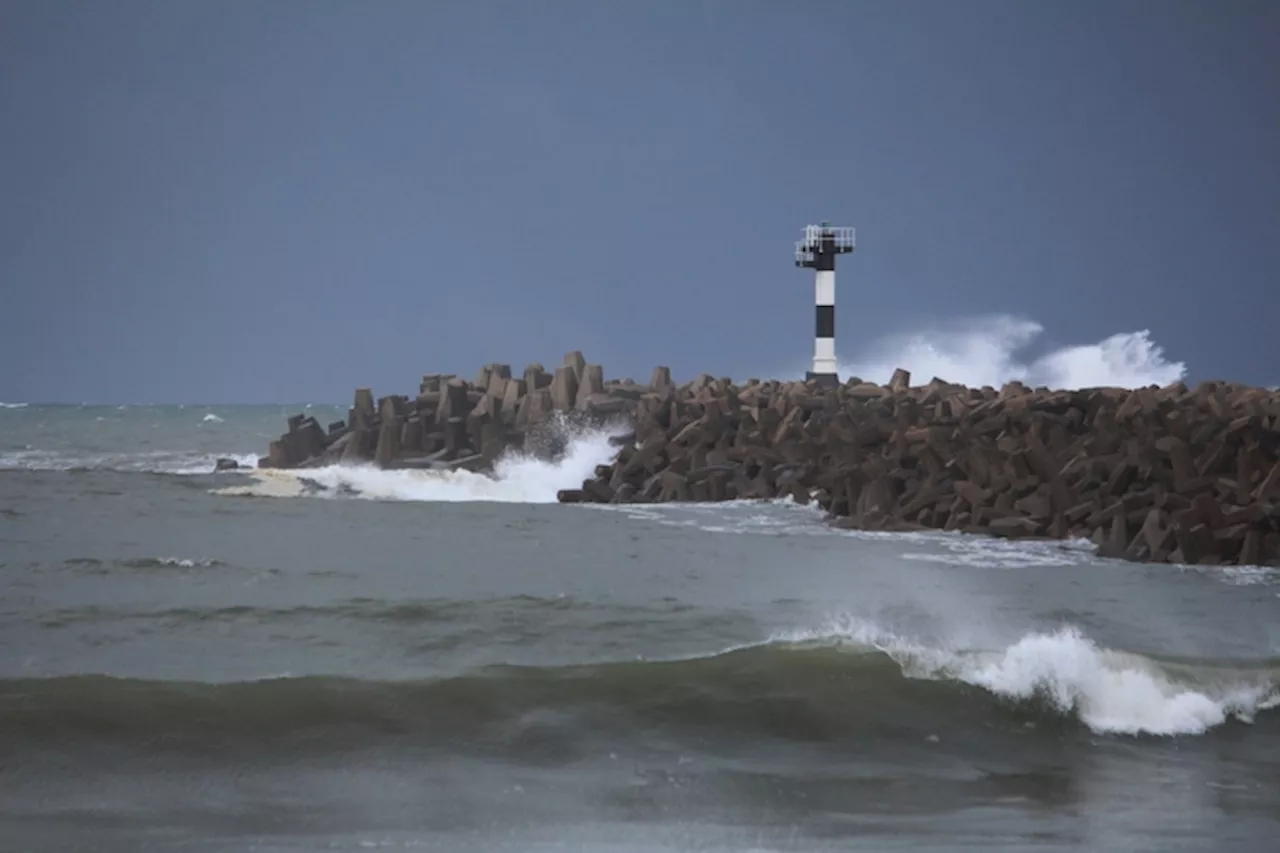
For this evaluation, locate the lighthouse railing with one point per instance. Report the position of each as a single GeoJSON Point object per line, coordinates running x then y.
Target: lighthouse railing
{"type": "Point", "coordinates": [843, 237]}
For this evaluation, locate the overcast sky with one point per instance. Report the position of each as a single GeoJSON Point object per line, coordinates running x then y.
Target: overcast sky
{"type": "Point", "coordinates": [247, 201]}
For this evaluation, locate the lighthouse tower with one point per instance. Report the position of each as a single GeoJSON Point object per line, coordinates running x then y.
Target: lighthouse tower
{"type": "Point", "coordinates": [818, 251]}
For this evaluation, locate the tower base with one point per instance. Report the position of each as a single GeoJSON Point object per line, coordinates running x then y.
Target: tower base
{"type": "Point", "coordinates": [825, 380]}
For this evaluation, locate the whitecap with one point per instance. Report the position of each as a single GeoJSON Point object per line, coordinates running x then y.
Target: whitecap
{"type": "Point", "coordinates": [1110, 691]}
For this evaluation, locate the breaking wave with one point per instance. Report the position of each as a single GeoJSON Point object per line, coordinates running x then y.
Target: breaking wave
{"type": "Point", "coordinates": [1109, 691]}
{"type": "Point", "coordinates": [846, 684]}
{"type": "Point", "coordinates": [13, 405]}
{"type": "Point", "coordinates": [157, 462]}
{"type": "Point", "coordinates": [141, 563]}
{"type": "Point", "coordinates": [993, 349]}
{"type": "Point", "coordinates": [516, 478]}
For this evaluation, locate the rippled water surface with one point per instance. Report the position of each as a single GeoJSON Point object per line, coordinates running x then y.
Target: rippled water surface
{"type": "Point", "coordinates": [353, 659]}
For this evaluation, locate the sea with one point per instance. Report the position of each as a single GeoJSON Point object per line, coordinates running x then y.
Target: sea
{"type": "Point", "coordinates": [349, 659]}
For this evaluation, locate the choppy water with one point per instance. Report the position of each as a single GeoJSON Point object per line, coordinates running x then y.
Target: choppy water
{"type": "Point", "coordinates": [353, 659]}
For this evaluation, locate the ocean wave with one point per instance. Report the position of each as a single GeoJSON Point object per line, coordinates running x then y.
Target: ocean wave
{"type": "Point", "coordinates": [516, 478]}
{"type": "Point", "coordinates": [409, 612]}
{"type": "Point", "coordinates": [1115, 692]}
{"type": "Point", "coordinates": [1108, 690]}
{"type": "Point", "coordinates": [156, 462]}
{"type": "Point", "coordinates": [13, 405]}
{"type": "Point", "coordinates": [143, 563]}
{"type": "Point", "coordinates": [846, 685]}
{"type": "Point", "coordinates": [170, 563]}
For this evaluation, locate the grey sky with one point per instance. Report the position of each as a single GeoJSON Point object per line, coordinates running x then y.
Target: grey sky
{"type": "Point", "coordinates": [262, 201]}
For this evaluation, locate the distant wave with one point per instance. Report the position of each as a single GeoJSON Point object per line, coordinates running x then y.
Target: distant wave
{"type": "Point", "coordinates": [516, 479]}
{"type": "Point", "coordinates": [211, 418]}
{"type": "Point", "coordinates": [97, 566]}
{"type": "Point", "coordinates": [485, 615]}
{"type": "Point", "coordinates": [13, 405]}
{"type": "Point", "coordinates": [840, 685]}
{"type": "Point", "coordinates": [990, 350]}
{"type": "Point", "coordinates": [157, 462]}
{"type": "Point", "coordinates": [170, 563]}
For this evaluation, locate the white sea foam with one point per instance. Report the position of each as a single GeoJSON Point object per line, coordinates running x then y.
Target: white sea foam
{"type": "Point", "coordinates": [773, 517]}
{"type": "Point", "coordinates": [157, 462]}
{"type": "Point", "coordinates": [13, 405]}
{"type": "Point", "coordinates": [989, 552]}
{"type": "Point", "coordinates": [1241, 575]}
{"type": "Point", "coordinates": [516, 478]}
{"type": "Point", "coordinates": [785, 517]}
{"type": "Point", "coordinates": [991, 350]}
{"type": "Point", "coordinates": [211, 418]}
{"type": "Point", "coordinates": [1110, 691]}
{"type": "Point", "coordinates": [172, 562]}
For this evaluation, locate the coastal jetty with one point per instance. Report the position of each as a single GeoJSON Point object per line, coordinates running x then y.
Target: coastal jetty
{"type": "Point", "coordinates": [1172, 474]}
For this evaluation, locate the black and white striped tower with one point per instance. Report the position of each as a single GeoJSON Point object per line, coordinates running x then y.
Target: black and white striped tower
{"type": "Point", "coordinates": [817, 251]}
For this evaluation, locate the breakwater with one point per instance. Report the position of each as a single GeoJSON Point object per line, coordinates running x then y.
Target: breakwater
{"type": "Point", "coordinates": [1173, 474]}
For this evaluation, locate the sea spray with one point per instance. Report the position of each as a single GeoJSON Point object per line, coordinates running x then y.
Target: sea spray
{"type": "Point", "coordinates": [1109, 691]}
{"type": "Point", "coordinates": [991, 350]}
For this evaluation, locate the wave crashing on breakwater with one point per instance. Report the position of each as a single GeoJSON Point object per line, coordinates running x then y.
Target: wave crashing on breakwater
{"type": "Point", "coordinates": [993, 350]}
{"type": "Point", "coordinates": [516, 478]}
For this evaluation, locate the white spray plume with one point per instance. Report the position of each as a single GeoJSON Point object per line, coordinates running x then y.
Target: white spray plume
{"type": "Point", "coordinates": [987, 350]}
